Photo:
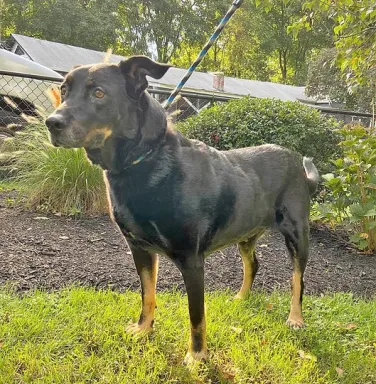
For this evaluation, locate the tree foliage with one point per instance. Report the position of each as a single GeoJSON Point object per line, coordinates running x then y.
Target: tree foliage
{"type": "Point", "coordinates": [256, 43]}
{"type": "Point", "coordinates": [158, 28]}
{"type": "Point", "coordinates": [325, 80]}
{"type": "Point", "coordinates": [354, 31]}
{"type": "Point", "coordinates": [87, 23]}
{"type": "Point", "coordinates": [270, 40]}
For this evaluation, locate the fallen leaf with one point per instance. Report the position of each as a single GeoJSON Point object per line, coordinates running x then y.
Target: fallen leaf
{"type": "Point", "coordinates": [58, 214]}
{"type": "Point", "coordinates": [64, 237]}
{"type": "Point", "coordinates": [348, 327]}
{"type": "Point", "coordinates": [237, 330]}
{"type": "Point", "coordinates": [228, 375]}
{"type": "Point", "coordinates": [269, 306]}
{"type": "Point", "coordinates": [339, 372]}
{"type": "Point", "coordinates": [307, 356]}
{"type": "Point", "coordinates": [40, 218]}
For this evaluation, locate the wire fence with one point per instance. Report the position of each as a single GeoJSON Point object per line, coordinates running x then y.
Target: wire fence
{"type": "Point", "coordinates": [24, 96]}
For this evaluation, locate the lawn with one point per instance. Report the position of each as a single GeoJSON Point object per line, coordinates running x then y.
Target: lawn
{"type": "Point", "coordinates": [77, 335]}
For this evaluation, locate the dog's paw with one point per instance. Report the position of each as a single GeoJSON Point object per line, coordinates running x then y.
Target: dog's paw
{"type": "Point", "coordinates": [139, 329]}
{"type": "Point", "coordinates": [297, 323]}
{"type": "Point", "coordinates": [241, 296]}
{"type": "Point", "coordinates": [192, 358]}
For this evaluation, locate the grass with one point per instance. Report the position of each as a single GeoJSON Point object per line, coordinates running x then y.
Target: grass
{"type": "Point", "coordinates": [62, 180]}
{"type": "Point", "coordinates": [54, 179]}
{"type": "Point", "coordinates": [77, 335]}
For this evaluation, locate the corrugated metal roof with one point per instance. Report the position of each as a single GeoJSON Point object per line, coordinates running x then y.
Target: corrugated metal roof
{"type": "Point", "coordinates": [62, 57]}
{"type": "Point", "coordinates": [57, 56]}
{"type": "Point", "coordinates": [262, 89]}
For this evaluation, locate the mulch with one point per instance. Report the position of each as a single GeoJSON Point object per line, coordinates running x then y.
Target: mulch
{"type": "Point", "coordinates": [50, 252]}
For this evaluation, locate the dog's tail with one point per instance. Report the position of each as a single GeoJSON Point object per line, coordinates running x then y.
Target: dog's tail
{"type": "Point", "coordinates": [312, 174]}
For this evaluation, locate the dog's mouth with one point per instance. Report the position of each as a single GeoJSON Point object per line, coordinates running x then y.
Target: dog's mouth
{"type": "Point", "coordinates": [95, 138]}
{"type": "Point", "coordinates": [54, 141]}
{"type": "Point", "coordinates": [62, 140]}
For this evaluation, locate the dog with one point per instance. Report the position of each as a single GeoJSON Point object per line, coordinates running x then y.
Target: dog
{"type": "Point", "coordinates": [178, 197]}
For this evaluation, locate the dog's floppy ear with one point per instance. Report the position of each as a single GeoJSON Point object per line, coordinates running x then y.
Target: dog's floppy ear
{"type": "Point", "coordinates": [135, 70]}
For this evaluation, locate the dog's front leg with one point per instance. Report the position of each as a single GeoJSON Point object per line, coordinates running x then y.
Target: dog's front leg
{"type": "Point", "coordinates": [147, 268]}
{"type": "Point", "coordinates": [192, 270]}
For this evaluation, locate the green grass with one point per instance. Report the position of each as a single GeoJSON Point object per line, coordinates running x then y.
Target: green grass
{"type": "Point", "coordinates": [77, 335]}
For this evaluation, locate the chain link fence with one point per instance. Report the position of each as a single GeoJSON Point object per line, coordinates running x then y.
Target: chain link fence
{"type": "Point", "coordinates": [21, 98]}
{"type": "Point", "coordinates": [25, 96]}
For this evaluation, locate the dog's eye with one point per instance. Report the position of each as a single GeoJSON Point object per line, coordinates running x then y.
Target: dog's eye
{"type": "Point", "coordinates": [63, 91]}
{"type": "Point", "coordinates": [99, 94]}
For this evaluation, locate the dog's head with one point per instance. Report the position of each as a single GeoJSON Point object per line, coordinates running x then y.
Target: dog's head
{"type": "Point", "coordinates": [98, 101]}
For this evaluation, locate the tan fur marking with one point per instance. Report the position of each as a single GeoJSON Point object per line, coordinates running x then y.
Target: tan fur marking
{"type": "Point", "coordinates": [149, 282]}
{"type": "Point", "coordinates": [54, 95]}
{"type": "Point", "coordinates": [295, 319]}
{"type": "Point", "coordinates": [246, 252]}
{"type": "Point", "coordinates": [102, 134]}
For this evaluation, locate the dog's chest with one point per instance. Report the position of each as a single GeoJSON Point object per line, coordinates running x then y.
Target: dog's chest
{"type": "Point", "coordinates": [143, 230]}
{"type": "Point", "coordinates": [148, 218]}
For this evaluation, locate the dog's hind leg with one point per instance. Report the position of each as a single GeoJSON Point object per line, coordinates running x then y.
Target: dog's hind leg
{"type": "Point", "coordinates": [247, 251]}
{"type": "Point", "coordinates": [299, 255]}
{"type": "Point", "coordinates": [147, 268]}
{"type": "Point", "coordinates": [292, 221]}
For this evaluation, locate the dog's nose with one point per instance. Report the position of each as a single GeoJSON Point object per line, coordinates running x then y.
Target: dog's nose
{"type": "Point", "coordinates": [55, 123]}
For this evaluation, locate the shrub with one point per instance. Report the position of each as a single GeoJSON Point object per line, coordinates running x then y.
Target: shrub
{"type": "Point", "coordinates": [351, 188]}
{"type": "Point", "coordinates": [250, 121]}
{"type": "Point", "coordinates": [55, 179]}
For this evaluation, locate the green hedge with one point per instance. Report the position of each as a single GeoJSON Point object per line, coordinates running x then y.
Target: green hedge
{"type": "Point", "coordinates": [250, 121]}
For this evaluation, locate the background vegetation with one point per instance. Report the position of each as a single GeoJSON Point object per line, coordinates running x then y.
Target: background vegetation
{"type": "Point", "coordinates": [349, 197]}
{"type": "Point", "coordinates": [271, 40]}
{"type": "Point", "coordinates": [251, 121]}
{"type": "Point", "coordinates": [52, 179]}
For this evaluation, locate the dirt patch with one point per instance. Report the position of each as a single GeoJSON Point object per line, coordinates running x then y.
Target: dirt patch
{"type": "Point", "coordinates": [47, 251]}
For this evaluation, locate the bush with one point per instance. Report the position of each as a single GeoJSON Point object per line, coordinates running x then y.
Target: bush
{"type": "Point", "coordinates": [54, 179]}
{"type": "Point", "coordinates": [351, 188]}
{"type": "Point", "coordinates": [250, 121]}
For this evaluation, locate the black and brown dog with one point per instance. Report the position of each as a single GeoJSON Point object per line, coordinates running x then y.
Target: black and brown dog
{"type": "Point", "coordinates": [179, 197]}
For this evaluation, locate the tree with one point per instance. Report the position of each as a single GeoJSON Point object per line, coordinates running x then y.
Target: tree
{"type": "Point", "coordinates": [355, 34]}
{"type": "Point", "coordinates": [86, 23]}
{"type": "Point", "coordinates": [237, 52]}
{"type": "Point", "coordinates": [256, 43]}
{"type": "Point", "coordinates": [325, 80]}
{"type": "Point", "coordinates": [290, 51]}
{"type": "Point", "coordinates": [159, 27]}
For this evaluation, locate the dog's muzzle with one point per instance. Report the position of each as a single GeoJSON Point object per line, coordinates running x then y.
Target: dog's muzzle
{"type": "Point", "coordinates": [55, 123]}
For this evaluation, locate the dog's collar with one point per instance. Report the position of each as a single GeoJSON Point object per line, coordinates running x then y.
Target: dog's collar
{"type": "Point", "coordinates": [139, 159]}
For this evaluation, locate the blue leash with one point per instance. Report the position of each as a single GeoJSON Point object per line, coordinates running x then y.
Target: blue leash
{"type": "Point", "coordinates": [235, 5]}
